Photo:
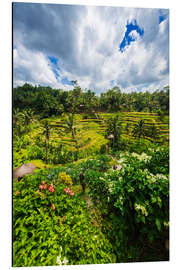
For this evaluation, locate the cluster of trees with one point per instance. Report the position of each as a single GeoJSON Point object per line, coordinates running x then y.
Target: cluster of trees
{"type": "Point", "coordinates": [46, 101]}
{"type": "Point", "coordinates": [140, 130]}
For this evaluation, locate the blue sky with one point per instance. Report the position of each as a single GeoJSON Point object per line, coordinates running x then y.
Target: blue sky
{"type": "Point", "coordinates": [100, 47]}
{"type": "Point", "coordinates": [128, 38]}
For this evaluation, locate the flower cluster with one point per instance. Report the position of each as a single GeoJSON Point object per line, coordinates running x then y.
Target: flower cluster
{"type": "Point", "coordinates": [51, 188]}
{"type": "Point", "coordinates": [142, 157]}
{"type": "Point", "coordinates": [65, 179]}
{"type": "Point", "coordinates": [141, 208]}
{"type": "Point", "coordinates": [68, 191]}
{"type": "Point", "coordinates": [44, 186]}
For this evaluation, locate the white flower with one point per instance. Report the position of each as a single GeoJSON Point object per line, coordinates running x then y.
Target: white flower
{"type": "Point", "coordinates": [61, 260]}
{"type": "Point", "coordinates": [134, 154]}
{"type": "Point", "coordinates": [141, 157]}
{"type": "Point", "coordinates": [58, 260]}
{"type": "Point", "coordinates": [141, 208]}
{"type": "Point", "coordinates": [151, 178]}
{"type": "Point", "coordinates": [65, 261]}
{"type": "Point", "coordinates": [110, 186]}
{"type": "Point", "coordinates": [161, 176]}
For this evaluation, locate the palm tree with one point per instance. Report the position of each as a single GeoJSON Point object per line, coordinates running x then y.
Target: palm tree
{"type": "Point", "coordinates": [18, 122]}
{"type": "Point", "coordinates": [69, 124]}
{"type": "Point", "coordinates": [46, 132]}
{"type": "Point", "coordinates": [139, 129]}
{"type": "Point", "coordinates": [154, 132]}
{"type": "Point", "coordinates": [28, 116]}
{"type": "Point", "coordinates": [114, 130]}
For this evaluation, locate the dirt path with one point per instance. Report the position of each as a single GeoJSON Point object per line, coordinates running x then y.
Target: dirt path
{"type": "Point", "coordinates": [94, 212]}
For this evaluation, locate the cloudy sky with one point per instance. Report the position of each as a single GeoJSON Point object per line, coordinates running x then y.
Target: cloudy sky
{"type": "Point", "coordinates": [100, 47]}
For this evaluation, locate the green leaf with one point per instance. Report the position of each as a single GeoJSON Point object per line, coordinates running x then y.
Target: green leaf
{"type": "Point", "coordinates": [158, 224]}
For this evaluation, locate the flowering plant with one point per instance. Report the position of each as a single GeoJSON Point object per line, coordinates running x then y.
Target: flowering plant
{"type": "Point", "coordinates": [51, 228]}
{"type": "Point", "coordinates": [65, 179]}
{"type": "Point", "coordinates": [68, 191]}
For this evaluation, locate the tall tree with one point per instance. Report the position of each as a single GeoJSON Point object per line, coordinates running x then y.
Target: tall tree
{"type": "Point", "coordinates": [139, 129]}
{"type": "Point", "coordinates": [114, 130]}
{"type": "Point", "coordinates": [69, 124]}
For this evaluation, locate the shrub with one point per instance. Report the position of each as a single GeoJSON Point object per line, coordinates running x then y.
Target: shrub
{"type": "Point", "coordinates": [65, 179]}
{"type": "Point", "coordinates": [103, 149]}
{"type": "Point", "coordinates": [137, 197]}
{"type": "Point", "coordinates": [51, 226]}
{"type": "Point", "coordinates": [159, 162]}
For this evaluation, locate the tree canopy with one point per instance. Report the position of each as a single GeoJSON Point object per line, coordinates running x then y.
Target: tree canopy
{"type": "Point", "coordinates": [46, 101]}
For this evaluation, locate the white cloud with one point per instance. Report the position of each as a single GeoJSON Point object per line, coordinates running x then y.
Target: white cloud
{"type": "Point", "coordinates": [92, 56]}
{"type": "Point", "coordinates": [34, 65]}
{"type": "Point", "coordinates": [134, 35]}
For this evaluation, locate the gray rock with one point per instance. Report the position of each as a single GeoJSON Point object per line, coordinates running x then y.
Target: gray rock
{"type": "Point", "coordinates": [24, 169]}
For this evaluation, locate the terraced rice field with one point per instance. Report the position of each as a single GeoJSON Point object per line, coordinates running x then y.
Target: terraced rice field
{"type": "Point", "coordinates": [90, 132]}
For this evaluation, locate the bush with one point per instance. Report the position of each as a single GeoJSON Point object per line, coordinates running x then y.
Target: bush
{"type": "Point", "coordinates": [137, 197]}
{"type": "Point", "coordinates": [65, 179]}
{"type": "Point", "coordinates": [159, 162]}
{"type": "Point", "coordinates": [103, 149]}
{"type": "Point", "coordinates": [52, 226]}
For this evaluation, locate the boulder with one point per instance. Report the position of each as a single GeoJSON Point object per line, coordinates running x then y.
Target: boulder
{"type": "Point", "coordinates": [24, 169]}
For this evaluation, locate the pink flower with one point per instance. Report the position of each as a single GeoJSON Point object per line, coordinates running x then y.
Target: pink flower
{"type": "Point", "coordinates": [43, 186]}
{"type": "Point", "coordinates": [68, 191]}
{"type": "Point", "coordinates": [51, 188]}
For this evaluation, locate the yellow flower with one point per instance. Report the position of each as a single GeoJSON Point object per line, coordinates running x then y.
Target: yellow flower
{"type": "Point", "coordinates": [65, 179]}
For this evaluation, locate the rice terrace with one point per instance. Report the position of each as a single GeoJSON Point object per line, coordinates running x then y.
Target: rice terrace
{"type": "Point", "coordinates": [90, 168]}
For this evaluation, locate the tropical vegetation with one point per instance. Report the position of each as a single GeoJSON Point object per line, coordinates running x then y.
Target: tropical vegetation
{"type": "Point", "coordinates": [100, 190]}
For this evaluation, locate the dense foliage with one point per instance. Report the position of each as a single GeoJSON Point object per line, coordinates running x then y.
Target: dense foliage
{"type": "Point", "coordinates": [100, 190]}
{"type": "Point", "coordinates": [52, 224]}
{"type": "Point", "coordinates": [52, 227]}
{"type": "Point", "coordinates": [46, 101]}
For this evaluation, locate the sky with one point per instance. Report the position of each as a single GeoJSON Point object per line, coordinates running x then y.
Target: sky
{"type": "Point", "coordinates": [100, 47]}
